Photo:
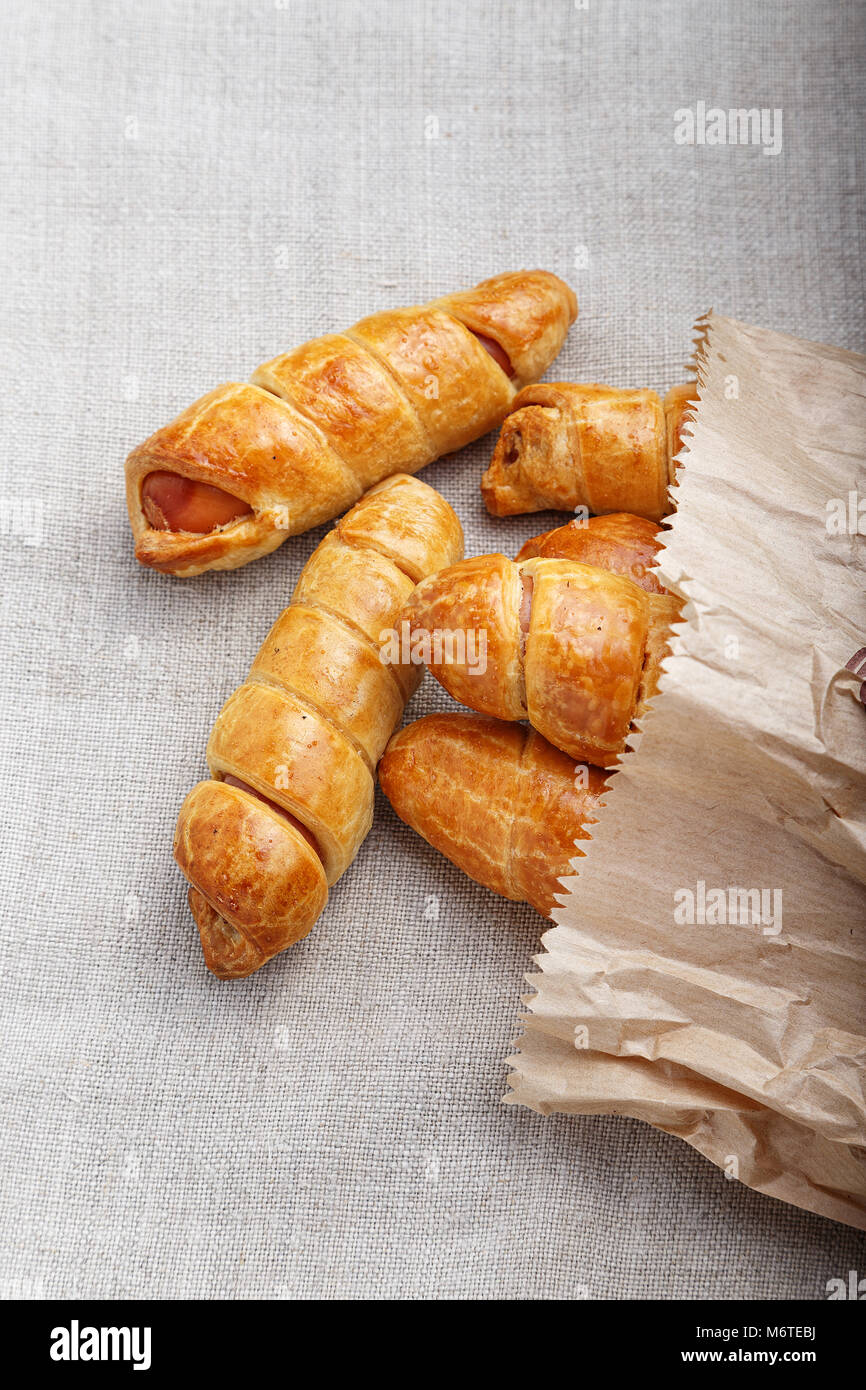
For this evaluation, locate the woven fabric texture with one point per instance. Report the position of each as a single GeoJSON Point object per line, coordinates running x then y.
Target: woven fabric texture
{"type": "Point", "coordinates": [189, 189]}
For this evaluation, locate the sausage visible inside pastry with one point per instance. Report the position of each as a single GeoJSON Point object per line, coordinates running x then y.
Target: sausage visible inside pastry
{"type": "Point", "coordinates": [252, 463]}
{"type": "Point", "coordinates": [171, 502]}
{"type": "Point", "coordinates": [497, 352]}
{"type": "Point", "coordinates": [526, 584]}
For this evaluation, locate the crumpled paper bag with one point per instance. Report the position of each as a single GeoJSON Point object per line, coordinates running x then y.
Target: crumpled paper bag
{"type": "Point", "coordinates": [707, 969]}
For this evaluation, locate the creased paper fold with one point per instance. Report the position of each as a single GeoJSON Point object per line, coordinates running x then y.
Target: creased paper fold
{"type": "Point", "coordinates": [707, 970]}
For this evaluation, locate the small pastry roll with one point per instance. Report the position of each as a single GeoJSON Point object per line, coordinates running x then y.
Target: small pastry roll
{"type": "Point", "coordinates": [496, 799]}
{"type": "Point", "coordinates": [565, 445]}
{"type": "Point", "coordinates": [574, 649]}
{"type": "Point", "coordinates": [293, 753]}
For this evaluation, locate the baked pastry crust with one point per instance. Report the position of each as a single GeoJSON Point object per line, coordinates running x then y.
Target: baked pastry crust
{"type": "Point", "coordinates": [315, 427]}
{"type": "Point", "coordinates": [566, 444]}
{"type": "Point", "coordinates": [575, 649]}
{"type": "Point", "coordinates": [305, 731]}
{"type": "Point", "coordinates": [496, 799]}
{"type": "Point", "coordinates": [617, 541]}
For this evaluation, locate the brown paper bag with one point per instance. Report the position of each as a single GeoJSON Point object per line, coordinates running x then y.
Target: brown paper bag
{"type": "Point", "coordinates": [707, 972]}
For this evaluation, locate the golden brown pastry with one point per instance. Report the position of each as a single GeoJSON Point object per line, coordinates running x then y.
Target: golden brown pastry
{"type": "Point", "coordinates": [294, 750]}
{"type": "Point", "coordinates": [618, 542]}
{"type": "Point", "coordinates": [565, 445]}
{"type": "Point", "coordinates": [574, 649]}
{"type": "Point", "coordinates": [252, 463]}
{"type": "Point", "coordinates": [678, 412]}
{"type": "Point", "coordinates": [496, 799]}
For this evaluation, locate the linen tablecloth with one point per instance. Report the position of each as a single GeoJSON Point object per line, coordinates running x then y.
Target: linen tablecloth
{"type": "Point", "coordinates": [191, 188]}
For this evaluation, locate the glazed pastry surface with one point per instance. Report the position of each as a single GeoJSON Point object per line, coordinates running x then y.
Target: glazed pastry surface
{"type": "Point", "coordinates": [574, 649]}
{"type": "Point", "coordinates": [293, 753]}
{"type": "Point", "coordinates": [617, 541]}
{"type": "Point", "coordinates": [252, 463]}
{"type": "Point", "coordinates": [565, 445]}
{"type": "Point", "coordinates": [496, 799]}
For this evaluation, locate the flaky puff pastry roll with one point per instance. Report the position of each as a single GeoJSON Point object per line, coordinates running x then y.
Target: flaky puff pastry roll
{"type": "Point", "coordinates": [252, 463]}
{"type": "Point", "coordinates": [496, 799]}
{"type": "Point", "coordinates": [565, 445]}
{"type": "Point", "coordinates": [293, 753]}
{"type": "Point", "coordinates": [574, 649]}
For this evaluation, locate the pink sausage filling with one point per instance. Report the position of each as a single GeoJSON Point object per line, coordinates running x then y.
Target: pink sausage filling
{"type": "Point", "coordinates": [171, 502]}
{"type": "Point", "coordinates": [499, 355]}
{"type": "Point", "coordinates": [528, 584]}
